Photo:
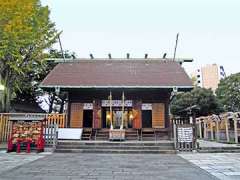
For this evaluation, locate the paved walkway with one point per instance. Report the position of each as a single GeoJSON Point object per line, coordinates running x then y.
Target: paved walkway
{"type": "Point", "coordinates": [108, 166]}
{"type": "Point", "coordinates": [204, 143]}
{"type": "Point", "coordinates": [224, 166]}
{"type": "Point", "coordinates": [12, 160]}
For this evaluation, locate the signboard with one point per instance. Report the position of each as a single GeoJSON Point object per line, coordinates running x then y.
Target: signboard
{"type": "Point", "coordinates": [185, 134]}
{"type": "Point", "coordinates": [117, 103]}
{"type": "Point", "coordinates": [146, 106]}
{"type": "Point", "coordinates": [70, 133]}
{"type": "Point", "coordinates": [27, 117]}
{"type": "Point", "coordinates": [88, 106]}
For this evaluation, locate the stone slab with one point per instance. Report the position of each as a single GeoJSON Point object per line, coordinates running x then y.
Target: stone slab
{"type": "Point", "coordinates": [108, 166]}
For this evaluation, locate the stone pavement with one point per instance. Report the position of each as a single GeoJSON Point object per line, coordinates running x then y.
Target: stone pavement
{"type": "Point", "coordinates": [12, 160]}
{"type": "Point", "coordinates": [224, 166]}
{"type": "Point", "coordinates": [77, 166]}
{"type": "Point", "coordinates": [204, 144]}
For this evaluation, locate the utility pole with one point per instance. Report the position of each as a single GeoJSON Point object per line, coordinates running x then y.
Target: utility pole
{"type": "Point", "coordinates": [63, 56]}
{"type": "Point", "coordinates": [175, 49]}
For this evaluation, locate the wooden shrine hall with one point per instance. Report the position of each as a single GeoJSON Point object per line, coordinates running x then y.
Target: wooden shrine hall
{"type": "Point", "coordinates": [130, 94]}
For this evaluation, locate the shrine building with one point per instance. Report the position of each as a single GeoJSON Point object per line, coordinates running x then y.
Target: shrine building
{"type": "Point", "coordinates": [114, 93]}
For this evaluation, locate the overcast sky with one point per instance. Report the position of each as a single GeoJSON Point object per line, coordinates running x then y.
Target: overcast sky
{"type": "Point", "coordinates": [209, 29]}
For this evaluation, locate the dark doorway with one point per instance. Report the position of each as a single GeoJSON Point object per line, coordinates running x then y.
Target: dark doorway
{"type": "Point", "coordinates": [104, 118]}
{"type": "Point", "coordinates": [146, 119]}
{"type": "Point", "coordinates": [87, 118]}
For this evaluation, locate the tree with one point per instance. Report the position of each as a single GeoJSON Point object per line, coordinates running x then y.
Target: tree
{"type": "Point", "coordinates": [30, 92]}
{"type": "Point", "coordinates": [55, 102]}
{"type": "Point", "coordinates": [204, 99]}
{"type": "Point", "coordinates": [228, 92]}
{"type": "Point", "coordinates": [25, 32]}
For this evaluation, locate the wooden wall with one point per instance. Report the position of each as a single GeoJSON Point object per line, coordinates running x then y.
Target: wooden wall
{"type": "Point", "coordinates": [76, 115]}
{"type": "Point", "coordinates": [158, 115]}
{"type": "Point", "coordinates": [158, 97]}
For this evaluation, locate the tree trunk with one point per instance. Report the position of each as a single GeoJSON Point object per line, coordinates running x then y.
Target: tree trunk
{"type": "Point", "coordinates": [63, 100]}
{"type": "Point", "coordinates": [51, 103]}
{"type": "Point", "coordinates": [6, 97]}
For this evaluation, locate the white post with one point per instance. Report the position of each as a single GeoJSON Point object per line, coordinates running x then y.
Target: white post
{"type": "Point", "coordinates": [235, 129]}
{"type": "Point", "coordinates": [217, 130]}
{"type": "Point", "coordinates": [175, 135]}
{"type": "Point", "coordinates": [200, 128]}
{"type": "Point", "coordinates": [211, 126]}
{"type": "Point", "coordinates": [205, 128]}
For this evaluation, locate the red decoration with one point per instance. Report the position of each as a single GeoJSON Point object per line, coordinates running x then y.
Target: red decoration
{"type": "Point", "coordinates": [26, 133]}
{"type": "Point", "coordinates": [29, 146]}
{"type": "Point", "coordinates": [10, 145]}
{"type": "Point", "coordinates": [18, 146]}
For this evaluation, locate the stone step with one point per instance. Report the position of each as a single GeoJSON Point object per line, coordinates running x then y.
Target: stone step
{"type": "Point", "coordinates": [102, 139]}
{"type": "Point", "coordinates": [107, 143]}
{"type": "Point", "coordinates": [132, 138]}
{"type": "Point", "coordinates": [86, 134]}
{"type": "Point", "coordinates": [153, 137]}
{"type": "Point", "coordinates": [132, 135]}
{"type": "Point", "coordinates": [127, 135]}
{"type": "Point", "coordinates": [86, 138]}
{"type": "Point", "coordinates": [117, 147]}
{"type": "Point", "coordinates": [102, 135]}
{"type": "Point", "coordinates": [117, 151]}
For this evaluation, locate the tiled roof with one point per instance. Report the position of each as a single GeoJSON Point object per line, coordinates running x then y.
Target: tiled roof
{"type": "Point", "coordinates": [118, 73]}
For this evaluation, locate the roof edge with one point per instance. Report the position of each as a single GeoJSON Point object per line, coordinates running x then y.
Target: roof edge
{"type": "Point", "coordinates": [85, 87]}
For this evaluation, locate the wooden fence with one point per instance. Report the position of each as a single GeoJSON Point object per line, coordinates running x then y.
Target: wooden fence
{"type": "Point", "coordinates": [5, 124]}
{"type": "Point", "coordinates": [5, 127]}
{"type": "Point", "coordinates": [59, 119]}
{"type": "Point", "coordinates": [220, 128]}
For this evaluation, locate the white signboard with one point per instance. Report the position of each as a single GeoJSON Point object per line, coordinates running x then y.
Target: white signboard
{"type": "Point", "coordinates": [70, 133]}
{"type": "Point", "coordinates": [185, 134]}
{"type": "Point", "coordinates": [88, 106]}
{"type": "Point", "coordinates": [146, 106]}
{"type": "Point", "coordinates": [117, 103]}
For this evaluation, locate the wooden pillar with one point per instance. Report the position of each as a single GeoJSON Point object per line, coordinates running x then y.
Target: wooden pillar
{"type": "Point", "coordinates": [167, 114]}
{"type": "Point", "coordinates": [97, 123]}
{"type": "Point", "coordinates": [235, 130]}
{"type": "Point", "coordinates": [226, 126]}
{"type": "Point", "coordinates": [123, 101]}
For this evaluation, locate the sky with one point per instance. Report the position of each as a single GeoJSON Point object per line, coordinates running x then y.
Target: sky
{"type": "Point", "coordinates": [209, 30]}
